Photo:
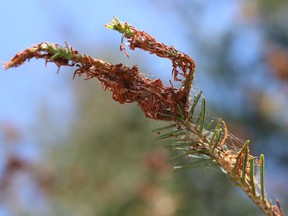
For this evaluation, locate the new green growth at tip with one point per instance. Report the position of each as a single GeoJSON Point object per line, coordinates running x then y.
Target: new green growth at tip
{"type": "Point", "coordinates": [117, 25]}
{"type": "Point", "coordinates": [58, 51]}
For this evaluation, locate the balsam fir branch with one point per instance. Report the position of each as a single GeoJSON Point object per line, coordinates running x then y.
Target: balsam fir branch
{"type": "Point", "coordinates": [189, 133]}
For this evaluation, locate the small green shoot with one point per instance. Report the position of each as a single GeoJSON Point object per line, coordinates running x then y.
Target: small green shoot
{"type": "Point", "coordinates": [252, 169]}
{"type": "Point", "coordinates": [195, 101]}
{"type": "Point", "coordinates": [182, 112]}
{"type": "Point", "coordinates": [201, 119]}
{"type": "Point", "coordinates": [239, 154]}
{"type": "Point", "coordinates": [262, 177]}
{"type": "Point", "coordinates": [244, 166]}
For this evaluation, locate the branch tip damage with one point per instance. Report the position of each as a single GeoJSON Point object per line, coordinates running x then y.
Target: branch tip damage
{"type": "Point", "coordinates": [161, 102]}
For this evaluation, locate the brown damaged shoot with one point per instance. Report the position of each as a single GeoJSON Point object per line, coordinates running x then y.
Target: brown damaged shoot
{"type": "Point", "coordinates": [127, 84]}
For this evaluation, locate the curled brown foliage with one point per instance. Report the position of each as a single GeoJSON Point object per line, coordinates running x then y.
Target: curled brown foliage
{"type": "Point", "coordinates": [127, 84]}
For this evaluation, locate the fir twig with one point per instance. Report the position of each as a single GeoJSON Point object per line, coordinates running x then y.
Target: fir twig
{"type": "Point", "coordinates": [205, 146]}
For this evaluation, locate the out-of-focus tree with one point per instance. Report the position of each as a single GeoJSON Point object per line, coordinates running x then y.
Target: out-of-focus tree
{"type": "Point", "coordinates": [22, 181]}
